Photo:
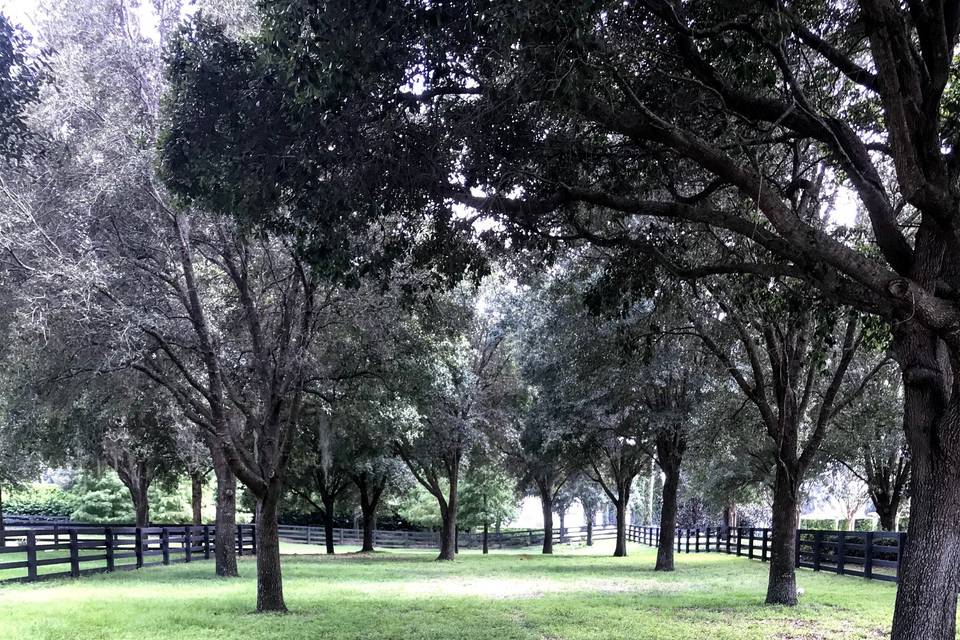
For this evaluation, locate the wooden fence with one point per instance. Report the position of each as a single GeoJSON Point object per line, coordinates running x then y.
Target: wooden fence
{"type": "Point", "coordinates": [875, 555]}
{"type": "Point", "coordinates": [29, 553]}
{"type": "Point", "coordinates": [506, 539]}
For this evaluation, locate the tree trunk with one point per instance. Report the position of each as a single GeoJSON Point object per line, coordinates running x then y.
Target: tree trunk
{"type": "Point", "coordinates": [367, 520]}
{"type": "Point", "coordinates": [563, 529]}
{"type": "Point", "coordinates": [138, 486]}
{"type": "Point", "coordinates": [782, 582]}
{"type": "Point", "coordinates": [888, 515]}
{"type": "Point", "coordinates": [269, 576]}
{"type": "Point", "coordinates": [328, 506]}
{"type": "Point", "coordinates": [927, 592]}
{"type": "Point", "coordinates": [730, 516]}
{"type": "Point", "coordinates": [196, 497]}
{"type": "Point", "coordinates": [448, 535]}
{"type": "Point", "coordinates": [546, 503]}
{"type": "Point", "coordinates": [651, 489]}
{"type": "Point", "coordinates": [225, 545]}
{"type": "Point", "coordinates": [3, 539]}
{"type": "Point", "coordinates": [668, 518]}
{"type": "Point", "coordinates": [621, 549]}
{"type": "Point", "coordinates": [590, 530]}
{"type": "Point", "coordinates": [486, 531]}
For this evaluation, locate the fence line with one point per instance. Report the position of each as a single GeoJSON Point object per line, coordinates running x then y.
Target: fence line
{"type": "Point", "coordinates": [875, 555]}
{"type": "Point", "coordinates": [386, 539]}
{"type": "Point", "coordinates": [87, 549]}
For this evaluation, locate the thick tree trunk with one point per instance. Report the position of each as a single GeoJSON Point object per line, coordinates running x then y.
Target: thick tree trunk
{"type": "Point", "coordinates": [590, 530]}
{"type": "Point", "coordinates": [269, 575]}
{"type": "Point", "coordinates": [328, 506]}
{"type": "Point", "coordinates": [668, 518]}
{"type": "Point", "coordinates": [926, 606]}
{"type": "Point", "coordinates": [486, 532]}
{"type": "Point", "coordinates": [546, 504]}
{"type": "Point", "coordinates": [621, 548]}
{"type": "Point", "coordinates": [225, 542]}
{"type": "Point", "coordinates": [888, 515]}
{"type": "Point", "coordinates": [367, 520]}
{"type": "Point", "coordinates": [730, 516]}
{"type": "Point", "coordinates": [138, 487]}
{"type": "Point", "coordinates": [448, 535]}
{"type": "Point", "coordinates": [782, 581]}
{"type": "Point", "coordinates": [196, 497]}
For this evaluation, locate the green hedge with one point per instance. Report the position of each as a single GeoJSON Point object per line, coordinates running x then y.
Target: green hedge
{"type": "Point", "coordinates": [818, 523]}
{"type": "Point", "coordinates": [864, 524]}
{"type": "Point", "coordinates": [39, 500]}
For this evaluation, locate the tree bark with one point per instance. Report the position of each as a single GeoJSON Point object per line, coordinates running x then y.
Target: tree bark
{"type": "Point", "coordinates": [590, 530]}
{"type": "Point", "coordinates": [369, 500]}
{"type": "Point", "coordinates": [621, 548]}
{"type": "Point", "coordinates": [730, 516]}
{"type": "Point", "coordinates": [138, 485]}
{"type": "Point", "coordinates": [269, 575]}
{"type": "Point", "coordinates": [546, 504]}
{"type": "Point", "coordinates": [196, 497]}
{"type": "Point", "coordinates": [3, 540]}
{"type": "Point", "coordinates": [888, 515]}
{"type": "Point", "coordinates": [668, 517]}
{"type": "Point", "coordinates": [926, 605]}
{"type": "Point", "coordinates": [448, 535]}
{"type": "Point", "coordinates": [448, 510]}
{"type": "Point", "coordinates": [225, 545]}
{"type": "Point", "coordinates": [782, 580]}
{"type": "Point", "coordinates": [328, 506]}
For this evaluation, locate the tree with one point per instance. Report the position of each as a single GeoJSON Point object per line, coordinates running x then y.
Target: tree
{"type": "Point", "coordinates": [870, 442]}
{"type": "Point", "coordinates": [590, 499]}
{"type": "Point", "coordinates": [690, 96]}
{"type": "Point", "coordinates": [20, 78]}
{"type": "Point", "coordinates": [488, 496]}
{"type": "Point", "coordinates": [320, 470]}
{"type": "Point", "coordinates": [470, 381]}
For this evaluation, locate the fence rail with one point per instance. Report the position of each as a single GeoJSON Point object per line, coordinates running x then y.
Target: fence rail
{"type": "Point", "coordinates": [431, 539]}
{"type": "Point", "coordinates": [47, 551]}
{"type": "Point", "coordinates": [875, 555]}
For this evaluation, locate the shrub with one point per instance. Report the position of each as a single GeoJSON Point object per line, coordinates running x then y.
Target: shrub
{"type": "Point", "coordinates": [818, 523]}
{"type": "Point", "coordinates": [864, 524]}
{"type": "Point", "coordinates": [39, 500]}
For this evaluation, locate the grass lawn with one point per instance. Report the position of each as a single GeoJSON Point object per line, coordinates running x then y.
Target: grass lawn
{"type": "Point", "coordinates": [575, 594]}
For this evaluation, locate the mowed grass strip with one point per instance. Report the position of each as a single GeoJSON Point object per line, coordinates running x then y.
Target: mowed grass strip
{"type": "Point", "coordinates": [408, 595]}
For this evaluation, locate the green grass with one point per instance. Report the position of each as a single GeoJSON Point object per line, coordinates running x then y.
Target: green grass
{"type": "Point", "coordinates": [405, 595]}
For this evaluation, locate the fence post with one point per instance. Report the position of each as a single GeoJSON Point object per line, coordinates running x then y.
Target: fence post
{"type": "Point", "coordinates": [206, 542]}
{"type": "Point", "coordinates": [253, 539]}
{"type": "Point", "coordinates": [750, 543]}
{"type": "Point", "coordinates": [739, 541]}
{"type": "Point", "coordinates": [31, 555]}
{"type": "Point", "coordinates": [796, 550]}
{"type": "Point", "coordinates": [74, 554]}
{"type": "Point", "coordinates": [841, 550]}
{"type": "Point", "coordinates": [696, 541]}
{"type": "Point", "coordinates": [763, 545]}
{"type": "Point", "coordinates": [138, 542]}
{"type": "Point", "coordinates": [901, 545]}
{"type": "Point", "coordinates": [108, 547]}
{"type": "Point", "coordinates": [165, 544]}
{"type": "Point", "coordinates": [187, 544]}
{"type": "Point", "coordinates": [868, 555]}
{"type": "Point", "coordinates": [817, 548]}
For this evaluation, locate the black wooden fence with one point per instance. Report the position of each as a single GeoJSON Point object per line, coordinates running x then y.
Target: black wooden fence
{"type": "Point", "coordinates": [506, 539]}
{"type": "Point", "coordinates": [29, 553]}
{"type": "Point", "coordinates": [875, 555]}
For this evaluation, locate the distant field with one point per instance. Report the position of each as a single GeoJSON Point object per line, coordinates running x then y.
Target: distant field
{"type": "Point", "coordinates": [573, 595]}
